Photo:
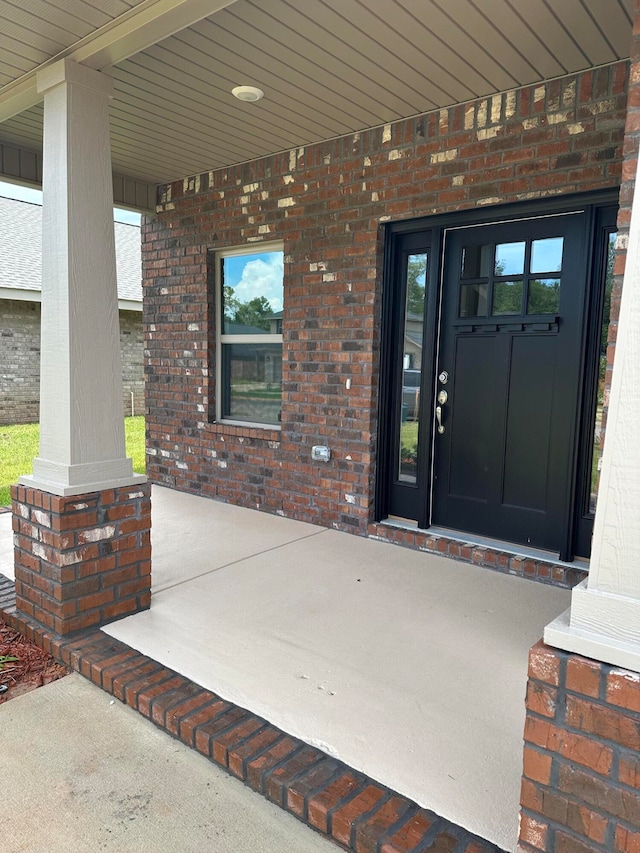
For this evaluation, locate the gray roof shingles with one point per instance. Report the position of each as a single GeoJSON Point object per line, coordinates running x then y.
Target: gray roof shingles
{"type": "Point", "coordinates": [20, 252]}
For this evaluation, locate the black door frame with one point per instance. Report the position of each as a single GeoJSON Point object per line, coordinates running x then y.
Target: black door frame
{"type": "Point", "coordinates": [605, 223]}
{"type": "Point", "coordinates": [397, 233]}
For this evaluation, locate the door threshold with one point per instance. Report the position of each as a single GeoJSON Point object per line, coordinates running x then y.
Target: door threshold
{"type": "Point", "coordinates": [508, 547]}
{"type": "Point", "coordinates": [513, 558]}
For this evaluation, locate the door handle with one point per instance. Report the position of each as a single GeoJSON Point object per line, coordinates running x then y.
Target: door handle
{"type": "Point", "coordinates": [439, 419]}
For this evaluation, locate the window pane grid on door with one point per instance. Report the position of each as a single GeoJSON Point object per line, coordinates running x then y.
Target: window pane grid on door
{"type": "Point", "coordinates": [511, 279]}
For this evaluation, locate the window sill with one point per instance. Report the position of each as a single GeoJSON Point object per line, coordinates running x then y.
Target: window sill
{"type": "Point", "coordinates": [245, 430]}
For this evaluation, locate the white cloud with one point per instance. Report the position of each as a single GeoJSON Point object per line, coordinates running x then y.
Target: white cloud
{"type": "Point", "coordinates": [262, 278]}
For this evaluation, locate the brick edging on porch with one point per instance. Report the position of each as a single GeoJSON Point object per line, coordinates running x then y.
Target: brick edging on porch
{"type": "Point", "coordinates": [507, 562]}
{"type": "Point", "coordinates": [338, 802]}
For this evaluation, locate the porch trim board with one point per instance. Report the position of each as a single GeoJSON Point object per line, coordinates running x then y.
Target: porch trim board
{"type": "Point", "coordinates": [346, 806]}
{"type": "Point", "coordinates": [601, 625]}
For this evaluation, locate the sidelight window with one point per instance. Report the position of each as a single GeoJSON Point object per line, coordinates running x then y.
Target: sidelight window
{"type": "Point", "coordinates": [409, 415]}
{"type": "Point", "coordinates": [596, 453]}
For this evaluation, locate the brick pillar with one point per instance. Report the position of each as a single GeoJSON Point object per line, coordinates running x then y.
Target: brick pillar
{"type": "Point", "coordinates": [581, 782]}
{"type": "Point", "coordinates": [84, 560]}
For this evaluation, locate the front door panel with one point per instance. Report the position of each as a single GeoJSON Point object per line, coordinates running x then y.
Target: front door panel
{"type": "Point", "coordinates": [509, 351]}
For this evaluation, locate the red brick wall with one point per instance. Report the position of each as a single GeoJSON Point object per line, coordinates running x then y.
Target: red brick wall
{"type": "Point", "coordinates": [326, 202]}
{"type": "Point", "coordinates": [84, 560]}
{"type": "Point", "coordinates": [581, 782]}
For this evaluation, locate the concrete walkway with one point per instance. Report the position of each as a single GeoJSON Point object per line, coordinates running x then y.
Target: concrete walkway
{"type": "Point", "coordinates": [82, 772]}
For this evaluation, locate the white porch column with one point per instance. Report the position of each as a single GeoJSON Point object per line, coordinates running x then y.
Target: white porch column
{"type": "Point", "coordinates": [603, 621]}
{"type": "Point", "coordinates": [81, 409]}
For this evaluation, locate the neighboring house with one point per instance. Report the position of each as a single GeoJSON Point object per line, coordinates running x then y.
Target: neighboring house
{"type": "Point", "coordinates": [20, 286]}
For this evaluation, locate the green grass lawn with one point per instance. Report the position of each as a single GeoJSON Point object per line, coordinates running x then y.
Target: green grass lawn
{"type": "Point", "coordinates": [19, 445]}
{"type": "Point", "coordinates": [409, 439]}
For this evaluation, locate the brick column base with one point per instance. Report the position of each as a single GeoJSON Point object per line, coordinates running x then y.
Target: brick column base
{"type": "Point", "coordinates": [82, 561]}
{"type": "Point", "coordinates": [581, 782]}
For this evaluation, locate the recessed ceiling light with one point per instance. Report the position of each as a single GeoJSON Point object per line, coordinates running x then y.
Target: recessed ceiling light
{"type": "Point", "coordinates": [247, 93]}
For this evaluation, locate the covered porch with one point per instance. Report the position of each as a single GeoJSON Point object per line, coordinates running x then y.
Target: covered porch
{"type": "Point", "coordinates": [406, 666]}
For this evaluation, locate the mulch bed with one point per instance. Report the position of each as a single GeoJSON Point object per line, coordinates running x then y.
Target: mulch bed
{"type": "Point", "coordinates": [32, 669]}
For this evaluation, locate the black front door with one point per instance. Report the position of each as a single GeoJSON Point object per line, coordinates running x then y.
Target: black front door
{"type": "Point", "coordinates": [493, 337]}
{"type": "Point", "coordinates": [508, 378]}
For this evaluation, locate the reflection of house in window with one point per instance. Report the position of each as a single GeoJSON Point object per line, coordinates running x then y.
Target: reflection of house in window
{"type": "Point", "coordinates": [275, 323]}
{"type": "Point", "coordinates": [259, 363]}
{"type": "Point", "coordinates": [413, 341]}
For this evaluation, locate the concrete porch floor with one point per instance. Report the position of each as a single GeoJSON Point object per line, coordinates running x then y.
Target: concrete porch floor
{"type": "Point", "coordinates": [407, 666]}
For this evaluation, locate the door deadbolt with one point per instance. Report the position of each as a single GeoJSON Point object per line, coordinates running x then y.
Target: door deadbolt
{"type": "Point", "coordinates": [444, 377]}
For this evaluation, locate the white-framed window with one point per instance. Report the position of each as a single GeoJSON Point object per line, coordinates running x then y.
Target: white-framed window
{"type": "Point", "coordinates": [249, 302]}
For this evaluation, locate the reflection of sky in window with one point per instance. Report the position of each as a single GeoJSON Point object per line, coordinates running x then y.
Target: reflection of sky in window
{"type": "Point", "coordinates": [420, 260]}
{"type": "Point", "coordinates": [259, 274]}
{"type": "Point", "coordinates": [510, 258]}
{"type": "Point", "coordinates": [546, 256]}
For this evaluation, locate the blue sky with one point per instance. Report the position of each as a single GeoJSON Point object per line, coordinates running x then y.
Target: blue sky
{"type": "Point", "coordinates": [258, 274]}
{"type": "Point", "coordinates": [35, 197]}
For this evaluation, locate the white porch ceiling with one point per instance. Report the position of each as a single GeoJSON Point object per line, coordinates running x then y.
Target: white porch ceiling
{"type": "Point", "coordinates": [328, 67]}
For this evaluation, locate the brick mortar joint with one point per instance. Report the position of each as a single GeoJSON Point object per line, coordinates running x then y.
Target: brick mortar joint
{"type": "Point", "coordinates": [605, 670]}
{"type": "Point", "coordinates": [260, 751]}
{"type": "Point", "coordinates": [262, 727]}
{"type": "Point", "coordinates": [220, 713]}
{"type": "Point", "coordinates": [266, 774]}
{"type": "Point", "coordinates": [590, 700]}
{"type": "Point", "coordinates": [333, 777]}
{"type": "Point", "coordinates": [554, 825]}
{"type": "Point", "coordinates": [361, 819]}
{"type": "Point", "coordinates": [308, 768]}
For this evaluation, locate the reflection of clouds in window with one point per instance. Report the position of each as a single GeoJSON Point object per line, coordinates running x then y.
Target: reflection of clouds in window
{"type": "Point", "coordinates": [252, 276]}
